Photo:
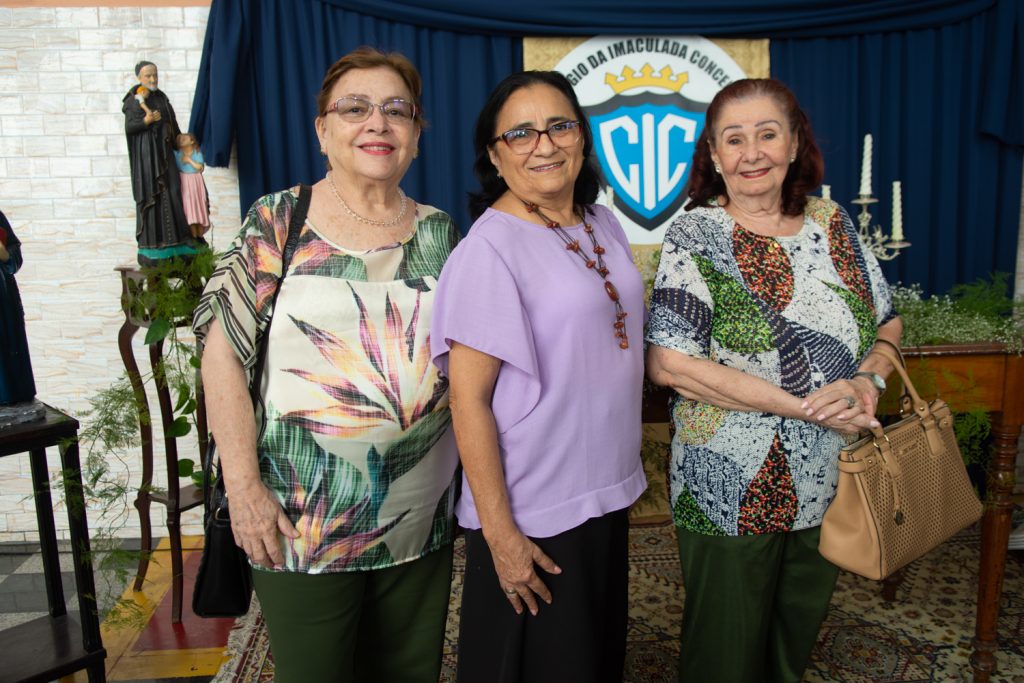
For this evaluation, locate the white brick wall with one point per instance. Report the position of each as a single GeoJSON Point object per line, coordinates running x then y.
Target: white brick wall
{"type": "Point", "coordinates": [64, 187]}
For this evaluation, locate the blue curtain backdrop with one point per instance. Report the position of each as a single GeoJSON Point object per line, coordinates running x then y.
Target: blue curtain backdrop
{"type": "Point", "coordinates": [939, 84]}
{"type": "Point", "coordinates": [262, 66]}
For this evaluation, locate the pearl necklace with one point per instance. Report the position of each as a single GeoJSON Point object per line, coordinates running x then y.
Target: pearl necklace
{"type": "Point", "coordinates": [594, 264]}
{"type": "Point", "coordinates": [369, 221]}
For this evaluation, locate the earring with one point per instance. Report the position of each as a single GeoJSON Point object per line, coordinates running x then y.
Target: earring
{"type": "Point", "coordinates": [499, 174]}
{"type": "Point", "coordinates": [792, 159]}
{"type": "Point", "coordinates": [323, 152]}
{"type": "Point", "coordinates": [718, 169]}
{"type": "Point", "coordinates": [416, 153]}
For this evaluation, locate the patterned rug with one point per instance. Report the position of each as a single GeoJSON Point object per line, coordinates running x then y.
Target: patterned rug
{"type": "Point", "coordinates": [924, 635]}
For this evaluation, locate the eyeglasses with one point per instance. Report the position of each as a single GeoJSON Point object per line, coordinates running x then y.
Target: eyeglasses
{"type": "Point", "coordinates": [356, 109]}
{"type": "Point", "coordinates": [525, 140]}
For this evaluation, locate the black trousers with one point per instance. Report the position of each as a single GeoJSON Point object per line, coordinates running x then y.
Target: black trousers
{"type": "Point", "coordinates": [580, 637]}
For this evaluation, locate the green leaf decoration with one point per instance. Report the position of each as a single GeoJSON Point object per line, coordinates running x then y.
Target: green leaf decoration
{"type": "Point", "coordinates": [738, 323]}
{"type": "Point", "coordinates": [186, 466]}
{"type": "Point", "coordinates": [688, 515]}
{"type": "Point", "coordinates": [180, 427]}
{"type": "Point", "coordinates": [157, 331]}
{"type": "Point", "coordinates": [184, 396]}
{"type": "Point", "coordinates": [429, 249]}
{"type": "Point", "coordinates": [864, 316]}
{"type": "Point", "coordinates": [189, 407]}
{"type": "Point", "coordinates": [194, 361]}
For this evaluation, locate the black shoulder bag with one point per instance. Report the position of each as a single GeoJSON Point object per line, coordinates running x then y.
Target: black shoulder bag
{"type": "Point", "coordinates": [223, 585]}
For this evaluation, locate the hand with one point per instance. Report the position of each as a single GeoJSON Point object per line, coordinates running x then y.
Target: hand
{"type": "Point", "coordinates": [151, 117]}
{"type": "Point", "coordinates": [842, 399]}
{"type": "Point", "coordinates": [514, 557]}
{"type": "Point", "coordinates": [256, 520]}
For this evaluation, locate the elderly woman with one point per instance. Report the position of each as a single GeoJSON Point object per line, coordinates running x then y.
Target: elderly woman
{"type": "Point", "coordinates": [341, 489]}
{"type": "Point", "coordinates": [765, 311]}
{"type": "Point", "coordinates": [537, 325]}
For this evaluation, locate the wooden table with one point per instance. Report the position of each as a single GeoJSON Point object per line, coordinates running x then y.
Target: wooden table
{"type": "Point", "coordinates": [969, 377]}
{"type": "Point", "coordinates": [50, 647]}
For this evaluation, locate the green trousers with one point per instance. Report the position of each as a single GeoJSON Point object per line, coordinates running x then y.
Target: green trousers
{"type": "Point", "coordinates": [753, 605]}
{"type": "Point", "coordinates": [368, 626]}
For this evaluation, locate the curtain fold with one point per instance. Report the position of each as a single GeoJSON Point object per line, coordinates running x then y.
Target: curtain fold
{"type": "Point", "coordinates": [760, 18]}
{"type": "Point", "coordinates": [263, 63]}
{"type": "Point", "coordinates": [920, 96]}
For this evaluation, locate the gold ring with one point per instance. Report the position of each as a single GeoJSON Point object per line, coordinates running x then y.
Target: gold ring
{"type": "Point", "coordinates": [511, 591]}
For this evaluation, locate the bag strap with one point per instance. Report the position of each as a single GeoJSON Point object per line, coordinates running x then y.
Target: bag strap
{"type": "Point", "coordinates": [921, 407]}
{"type": "Point", "coordinates": [299, 212]}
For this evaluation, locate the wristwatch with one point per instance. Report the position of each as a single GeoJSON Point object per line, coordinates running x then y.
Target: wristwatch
{"type": "Point", "coordinates": [877, 380]}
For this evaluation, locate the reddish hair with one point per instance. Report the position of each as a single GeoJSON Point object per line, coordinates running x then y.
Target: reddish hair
{"type": "Point", "coordinates": [366, 57]}
{"type": "Point", "coordinates": [804, 174]}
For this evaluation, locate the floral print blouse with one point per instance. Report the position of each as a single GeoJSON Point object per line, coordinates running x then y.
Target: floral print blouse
{"type": "Point", "coordinates": [355, 434]}
{"type": "Point", "coordinates": [798, 311]}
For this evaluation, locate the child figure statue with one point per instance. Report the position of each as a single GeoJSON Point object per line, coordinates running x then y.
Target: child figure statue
{"type": "Point", "coordinates": [194, 197]}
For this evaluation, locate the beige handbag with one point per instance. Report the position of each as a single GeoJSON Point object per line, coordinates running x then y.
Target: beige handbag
{"type": "Point", "coordinates": [902, 490]}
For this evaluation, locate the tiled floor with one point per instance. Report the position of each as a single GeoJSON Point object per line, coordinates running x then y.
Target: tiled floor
{"type": "Point", "coordinates": [23, 598]}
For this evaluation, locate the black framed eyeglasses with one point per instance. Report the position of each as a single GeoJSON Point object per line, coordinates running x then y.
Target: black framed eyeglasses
{"type": "Point", "coordinates": [357, 109]}
{"type": "Point", "coordinates": [525, 140]}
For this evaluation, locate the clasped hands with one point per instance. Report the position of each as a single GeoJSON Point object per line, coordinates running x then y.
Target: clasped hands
{"type": "Point", "coordinates": [846, 406]}
{"type": "Point", "coordinates": [151, 117]}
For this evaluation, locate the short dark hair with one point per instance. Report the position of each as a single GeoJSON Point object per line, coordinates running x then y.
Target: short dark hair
{"type": "Point", "coordinates": [141, 65]}
{"type": "Point", "coordinates": [804, 174]}
{"type": "Point", "coordinates": [492, 186]}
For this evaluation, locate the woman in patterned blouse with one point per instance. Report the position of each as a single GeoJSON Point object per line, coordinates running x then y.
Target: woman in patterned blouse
{"type": "Point", "coordinates": [764, 314]}
{"type": "Point", "coordinates": [342, 488]}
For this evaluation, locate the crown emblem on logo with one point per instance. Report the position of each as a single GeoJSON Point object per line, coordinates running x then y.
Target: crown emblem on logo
{"type": "Point", "coordinates": [647, 76]}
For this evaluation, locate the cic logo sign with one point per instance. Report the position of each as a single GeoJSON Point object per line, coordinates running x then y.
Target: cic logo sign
{"type": "Point", "coordinates": [645, 99]}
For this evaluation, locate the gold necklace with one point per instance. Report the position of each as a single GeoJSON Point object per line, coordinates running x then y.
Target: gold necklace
{"type": "Point", "coordinates": [369, 221]}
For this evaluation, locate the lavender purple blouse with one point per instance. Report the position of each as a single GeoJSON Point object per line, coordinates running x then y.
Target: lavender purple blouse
{"type": "Point", "coordinates": [567, 399]}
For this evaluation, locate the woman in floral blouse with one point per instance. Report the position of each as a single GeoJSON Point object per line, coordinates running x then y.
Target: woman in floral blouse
{"type": "Point", "coordinates": [341, 488]}
{"type": "Point", "coordinates": [765, 311]}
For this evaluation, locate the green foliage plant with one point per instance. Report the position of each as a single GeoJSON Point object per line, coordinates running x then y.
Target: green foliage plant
{"type": "Point", "coordinates": [162, 299]}
{"type": "Point", "coordinates": [978, 312]}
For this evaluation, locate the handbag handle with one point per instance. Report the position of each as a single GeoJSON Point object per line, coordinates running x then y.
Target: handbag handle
{"type": "Point", "coordinates": [921, 407]}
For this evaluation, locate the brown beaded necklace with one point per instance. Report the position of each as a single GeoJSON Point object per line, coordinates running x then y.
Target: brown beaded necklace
{"type": "Point", "coordinates": [595, 264]}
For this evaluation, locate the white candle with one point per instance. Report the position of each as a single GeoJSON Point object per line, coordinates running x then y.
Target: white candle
{"type": "Point", "coordinates": [826, 192]}
{"type": "Point", "coordinates": [897, 212]}
{"type": "Point", "coordinates": [865, 168]}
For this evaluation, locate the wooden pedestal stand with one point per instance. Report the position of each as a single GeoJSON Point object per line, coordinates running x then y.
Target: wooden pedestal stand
{"type": "Point", "coordinates": [178, 498]}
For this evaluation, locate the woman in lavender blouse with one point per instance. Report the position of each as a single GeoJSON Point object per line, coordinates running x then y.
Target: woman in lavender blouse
{"type": "Point", "coordinates": [538, 323]}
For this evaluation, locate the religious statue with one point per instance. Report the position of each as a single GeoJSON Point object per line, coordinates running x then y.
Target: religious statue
{"type": "Point", "coordinates": [17, 386]}
{"type": "Point", "coordinates": [161, 227]}
{"type": "Point", "coordinates": [193, 188]}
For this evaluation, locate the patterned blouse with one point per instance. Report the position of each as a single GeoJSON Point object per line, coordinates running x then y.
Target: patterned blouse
{"type": "Point", "coordinates": [355, 436]}
{"type": "Point", "coordinates": [799, 312]}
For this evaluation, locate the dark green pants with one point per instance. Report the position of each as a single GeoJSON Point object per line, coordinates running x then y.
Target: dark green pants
{"type": "Point", "coordinates": [381, 625]}
{"type": "Point", "coordinates": [753, 606]}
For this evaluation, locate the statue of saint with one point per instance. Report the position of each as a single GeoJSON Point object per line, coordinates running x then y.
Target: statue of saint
{"type": "Point", "coordinates": [161, 228]}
